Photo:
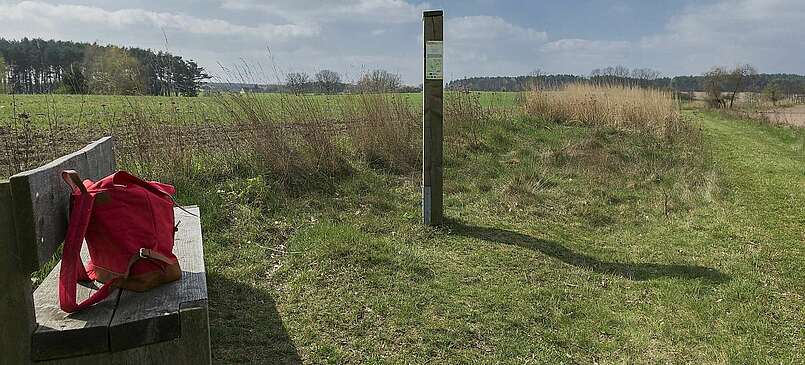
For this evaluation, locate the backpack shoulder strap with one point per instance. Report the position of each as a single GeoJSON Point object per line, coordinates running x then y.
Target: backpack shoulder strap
{"type": "Point", "coordinates": [71, 266]}
{"type": "Point", "coordinates": [154, 187]}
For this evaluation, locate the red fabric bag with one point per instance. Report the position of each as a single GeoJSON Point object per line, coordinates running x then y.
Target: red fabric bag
{"type": "Point", "coordinates": [128, 224]}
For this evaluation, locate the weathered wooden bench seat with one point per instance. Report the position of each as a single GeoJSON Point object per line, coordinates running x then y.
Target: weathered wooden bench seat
{"type": "Point", "coordinates": [166, 325]}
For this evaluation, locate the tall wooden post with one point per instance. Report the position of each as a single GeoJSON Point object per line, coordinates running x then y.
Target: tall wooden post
{"type": "Point", "coordinates": [432, 95]}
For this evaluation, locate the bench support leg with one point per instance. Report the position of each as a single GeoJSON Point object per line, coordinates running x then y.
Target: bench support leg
{"type": "Point", "coordinates": [17, 314]}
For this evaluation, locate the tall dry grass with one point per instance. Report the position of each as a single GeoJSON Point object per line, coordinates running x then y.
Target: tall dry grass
{"type": "Point", "coordinates": [298, 140]}
{"type": "Point", "coordinates": [295, 137]}
{"type": "Point", "coordinates": [616, 106]}
{"type": "Point", "coordinates": [384, 129]}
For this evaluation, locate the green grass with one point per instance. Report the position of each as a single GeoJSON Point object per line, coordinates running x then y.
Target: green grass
{"type": "Point", "coordinates": [559, 248]}
{"type": "Point", "coordinates": [45, 110]}
{"type": "Point", "coordinates": [564, 244]}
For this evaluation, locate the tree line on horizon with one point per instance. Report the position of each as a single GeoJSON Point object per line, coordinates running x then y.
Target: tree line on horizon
{"type": "Point", "coordinates": [324, 81]}
{"type": "Point", "coordinates": [37, 66]}
{"type": "Point", "coordinates": [789, 84]}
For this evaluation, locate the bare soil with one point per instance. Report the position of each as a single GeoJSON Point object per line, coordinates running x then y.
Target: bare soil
{"type": "Point", "coordinates": [794, 115]}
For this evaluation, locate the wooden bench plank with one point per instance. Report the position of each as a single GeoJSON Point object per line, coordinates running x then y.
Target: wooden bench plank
{"type": "Point", "coordinates": [155, 316]}
{"type": "Point", "coordinates": [60, 334]}
{"type": "Point", "coordinates": [41, 200]}
{"type": "Point", "coordinates": [191, 348]}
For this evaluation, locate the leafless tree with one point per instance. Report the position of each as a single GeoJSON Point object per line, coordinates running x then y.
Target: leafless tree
{"type": "Point", "coordinates": [296, 82]}
{"type": "Point", "coordinates": [645, 74]}
{"type": "Point", "coordinates": [328, 81]}
{"type": "Point", "coordinates": [713, 81]}
{"type": "Point", "coordinates": [739, 78]}
{"type": "Point", "coordinates": [620, 71]}
{"type": "Point", "coordinates": [379, 81]}
{"type": "Point", "coordinates": [616, 71]}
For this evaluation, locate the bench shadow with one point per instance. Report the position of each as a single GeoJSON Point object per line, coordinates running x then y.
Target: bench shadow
{"type": "Point", "coordinates": [628, 270]}
{"type": "Point", "coordinates": [245, 326]}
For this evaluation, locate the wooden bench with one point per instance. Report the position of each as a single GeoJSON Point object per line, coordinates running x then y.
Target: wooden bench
{"type": "Point", "coordinates": [167, 325]}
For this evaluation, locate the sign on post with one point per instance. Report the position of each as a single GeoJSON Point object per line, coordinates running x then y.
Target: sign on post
{"type": "Point", "coordinates": [432, 118]}
{"type": "Point", "coordinates": [434, 60]}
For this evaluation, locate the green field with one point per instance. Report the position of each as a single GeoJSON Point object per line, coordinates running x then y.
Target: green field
{"type": "Point", "coordinates": [565, 243]}
{"type": "Point", "coordinates": [43, 110]}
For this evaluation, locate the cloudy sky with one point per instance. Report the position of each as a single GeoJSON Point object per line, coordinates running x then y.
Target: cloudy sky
{"type": "Point", "coordinates": [482, 37]}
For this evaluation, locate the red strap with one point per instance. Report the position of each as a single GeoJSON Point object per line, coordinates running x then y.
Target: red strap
{"type": "Point", "coordinates": [157, 190]}
{"type": "Point", "coordinates": [71, 266]}
{"type": "Point", "coordinates": [155, 187]}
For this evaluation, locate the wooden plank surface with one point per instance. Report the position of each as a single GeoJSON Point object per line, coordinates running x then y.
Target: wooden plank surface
{"type": "Point", "coordinates": [62, 335]}
{"type": "Point", "coordinates": [41, 200]}
{"type": "Point", "coordinates": [16, 304]}
{"type": "Point", "coordinates": [154, 316]}
{"type": "Point", "coordinates": [191, 348]}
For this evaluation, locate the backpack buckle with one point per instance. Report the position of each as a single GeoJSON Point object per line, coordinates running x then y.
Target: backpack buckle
{"type": "Point", "coordinates": [143, 254]}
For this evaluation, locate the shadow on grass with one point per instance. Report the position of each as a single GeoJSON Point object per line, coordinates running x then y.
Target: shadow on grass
{"type": "Point", "coordinates": [631, 271]}
{"type": "Point", "coordinates": [245, 326]}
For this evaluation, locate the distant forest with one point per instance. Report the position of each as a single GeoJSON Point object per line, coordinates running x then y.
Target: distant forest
{"type": "Point", "coordinates": [36, 66]}
{"type": "Point", "coordinates": [788, 83]}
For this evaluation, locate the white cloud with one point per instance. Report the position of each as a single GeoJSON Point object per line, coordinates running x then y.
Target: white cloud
{"type": "Point", "coordinates": [55, 17]}
{"type": "Point", "coordinates": [489, 28]}
{"type": "Point", "coordinates": [767, 33]}
{"type": "Point", "coordinates": [586, 46]}
{"type": "Point", "coordinates": [360, 11]}
{"type": "Point", "coordinates": [489, 45]}
{"type": "Point", "coordinates": [354, 35]}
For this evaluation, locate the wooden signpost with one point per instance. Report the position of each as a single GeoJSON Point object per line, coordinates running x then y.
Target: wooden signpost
{"type": "Point", "coordinates": [432, 95]}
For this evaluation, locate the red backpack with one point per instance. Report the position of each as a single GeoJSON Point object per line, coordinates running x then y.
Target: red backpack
{"type": "Point", "coordinates": [128, 224]}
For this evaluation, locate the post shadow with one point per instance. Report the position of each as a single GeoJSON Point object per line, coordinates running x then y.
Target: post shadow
{"type": "Point", "coordinates": [245, 326]}
{"type": "Point", "coordinates": [628, 270]}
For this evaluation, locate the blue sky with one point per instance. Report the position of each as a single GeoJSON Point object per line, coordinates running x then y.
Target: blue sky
{"type": "Point", "coordinates": [482, 37]}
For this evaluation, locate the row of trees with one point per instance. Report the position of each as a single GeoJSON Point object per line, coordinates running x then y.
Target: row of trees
{"type": "Point", "coordinates": [777, 85]}
{"type": "Point", "coordinates": [609, 75]}
{"type": "Point", "coordinates": [325, 81]}
{"type": "Point", "coordinates": [512, 83]}
{"type": "Point", "coordinates": [33, 66]}
{"type": "Point", "coordinates": [329, 82]}
{"type": "Point", "coordinates": [723, 84]}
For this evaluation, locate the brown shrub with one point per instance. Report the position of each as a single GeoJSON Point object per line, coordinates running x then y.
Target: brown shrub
{"type": "Point", "coordinates": [616, 106]}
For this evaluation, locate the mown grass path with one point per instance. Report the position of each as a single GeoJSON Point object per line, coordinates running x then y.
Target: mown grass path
{"type": "Point", "coordinates": [763, 222]}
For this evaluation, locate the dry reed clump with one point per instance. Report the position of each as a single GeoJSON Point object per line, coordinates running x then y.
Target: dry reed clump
{"type": "Point", "coordinates": [384, 130]}
{"type": "Point", "coordinates": [617, 106]}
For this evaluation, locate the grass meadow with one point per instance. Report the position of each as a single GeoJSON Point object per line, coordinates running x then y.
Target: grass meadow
{"type": "Point", "coordinates": [592, 225]}
{"type": "Point", "coordinates": [104, 109]}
